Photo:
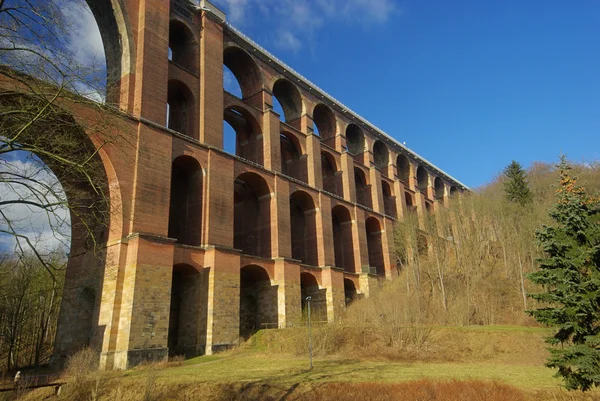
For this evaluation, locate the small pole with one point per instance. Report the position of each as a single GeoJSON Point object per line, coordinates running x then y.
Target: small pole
{"type": "Point", "coordinates": [310, 345]}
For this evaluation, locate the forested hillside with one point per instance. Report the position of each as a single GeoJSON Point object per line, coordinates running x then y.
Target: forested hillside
{"type": "Point", "coordinates": [472, 271]}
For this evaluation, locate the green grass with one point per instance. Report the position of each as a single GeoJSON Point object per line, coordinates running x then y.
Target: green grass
{"type": "Point", "coordinates": [250, 366]}
{"type": "Point", "coordinates": [511, 354]}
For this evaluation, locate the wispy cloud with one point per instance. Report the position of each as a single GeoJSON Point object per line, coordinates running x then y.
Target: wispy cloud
{"type": "Point", "coordinates": [287, 40]}
{"type": "Point", "coordinates": [291, 24]}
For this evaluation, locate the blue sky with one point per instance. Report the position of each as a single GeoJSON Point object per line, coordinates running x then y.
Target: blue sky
{"type": "Point", "coordinates": [469, 85]}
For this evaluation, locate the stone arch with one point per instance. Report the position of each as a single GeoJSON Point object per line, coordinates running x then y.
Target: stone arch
{"type": "Point", "coordinates": [331, 180]}
{"type": "Point", "coordinates": [389, 200]}
{"type": "Point", "coordinates": [341, 222]}
{"type": "Point", "coordinates": [248, 138]}
{"type": "Point", "coordinates": [117, 39]}
{"type": "Point", "coordinates": [438, 186]}
{"type": "Point", "coordinates": [422, 179]}
{"type": "Point", "coordinates": [258, 300]}
{"type": "Point", "coordinates": [381, 155]}
{"type": "Point", "coordinates": [183, 47]}
{"type": "Point", "coordinates": [453, 191]}
{"type": "Point", "coordinates": [252, 215]}
{"type": "Point", "coordinates": [355, 139]}
{"type": "Point", "coordinates": [324, 120]}
{"type": "Point", "coordinates": [290, 99]}
{"type": "Point", "coordinates": [185, 321]}
{"type": "Point", "coordinates": [363, 189]}
{"type": "Point", "coordinates": [403, 168]}
{"type": "Point", "coordinates": [244, 69]}
{"type": "Point", "coordinates": [185, 209]}
{"type": "Point", "coordinates": [181, 109]}
{"type": "Point", "coordinates": [375, 246]}
{"type": "Point", "coordinates": [293, 163]}
{"type": "Point", "coordinates": [303, 227]}
{"type": "Point", "coordinates": [94, 200]}
{"type": "Point", "coordinates": [309, 287]}
{"type": "Point", "coordinates": [350, 291]}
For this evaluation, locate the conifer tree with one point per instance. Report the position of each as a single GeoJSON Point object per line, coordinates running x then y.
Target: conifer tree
{"type": "Point", "coordinates": [515, 187]}
{"type": "Point", "coordinates": [569, 273]}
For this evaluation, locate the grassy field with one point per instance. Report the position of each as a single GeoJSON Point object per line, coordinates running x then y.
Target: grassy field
{"type": "Point", "coordinates": [468, 363]}
{"type": "Point", "coordinates": [285, 370]}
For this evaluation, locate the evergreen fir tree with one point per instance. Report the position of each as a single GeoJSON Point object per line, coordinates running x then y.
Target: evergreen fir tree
{"type": "Point", "coordinates": [516, 188]}
{"type": "Point", "coordinates": [570, 276]}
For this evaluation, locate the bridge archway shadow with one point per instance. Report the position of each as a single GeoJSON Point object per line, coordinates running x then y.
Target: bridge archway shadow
{"type": "Point", "coordinates": [187, 311]}
{"type": "Point", "coordinates": [252, 215]}
{"type": "Point", "coordinates": [258, 301]}
{"type": "Point", "coordinates": [341, 221]}
{"type": "Point", "coordinates": [374, 245]}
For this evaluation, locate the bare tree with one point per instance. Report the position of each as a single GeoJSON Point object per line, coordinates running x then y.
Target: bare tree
{"type": "Point", "coordinates": [51, 175]}
{"type": "Point", "coordinates": [54, 193]}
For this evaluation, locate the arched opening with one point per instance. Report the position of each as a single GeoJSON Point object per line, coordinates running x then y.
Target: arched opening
{"type": "Point", "coordinates": [422, 179]}
{"type": "Point", "coordinates": [332, 182]}
{"type": "Point", "coordinates": [410, 204]}
{"type": "Point", "coordinates": [438, 186]}
{"type": "Point", "coordinates": [183, 49]}
{"type": "Point", "coordinates": [403, 167]}
{"type": "Point", "coordinates": [292, 162]}
{"type": "Point", "coordinates": [258, 301]}
{"type": "Point", "coordinates": [180, 108]}
{"type": "Point", "coordinates": [230, 83]}
{"type": "Point", "coordinates": [453, 191]}
{"type": "Point", "coordinates": [242, 133]}
{"type": "Point", "coordinates": [309, 287]}
{"type": "Point", "coordinates": [422, 245]}
{"type": "Point", "coordinates": [389, 200]}
{"type": "Point", "coordinates": [381, 155]}
{"type": "Point", "coordinates": [185, 209]}
{"type": "Point", "coordinates": [428, 207]}
{"type": "Point", "coordinates": [242, 76]}
{"type": "Point", "coordinates": [115, 33]}
{"type": "Point", "coordinates": [350, 292]}
{"type": "Point", "coordinates": [341, 222]}
{"type": "Point", "coordinates": [375, 246]}
{"type": "Point", "coordinates": [185, 319]}
{"type": "Point", "coordinates": [363, 189]}
{"type": "Point", "coordinates": [252, 215]}
{"type": "Point", "coordinates": [355, 140]}
{"type": "Point", "coordinates": [324, 121]}
{"type": "Point", "coordinates": [289, 98]}
{"type": "Point", "coordinates": [303, 228]}
{"type": "Point", "coordinates": [74, 196]}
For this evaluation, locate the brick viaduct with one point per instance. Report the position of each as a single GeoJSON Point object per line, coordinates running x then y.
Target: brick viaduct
{"type": "Point", "coordinates": [206, 247]}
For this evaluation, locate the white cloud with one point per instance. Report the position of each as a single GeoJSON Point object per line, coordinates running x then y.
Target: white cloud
{"type": "Point", "coordinates": [47, 229]}
{"type": "Point", "coordinates": [290, 23]}
{"type": "Point", "coordinates": [84, 40]}
{"type": "Point", "coordinates": [236, 10]}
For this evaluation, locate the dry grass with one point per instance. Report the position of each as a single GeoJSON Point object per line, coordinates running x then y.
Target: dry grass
{"type": "Point", "coordinates": [422, 390]}
{"type": "Point", "coordinates": [467, 363]}
{"type": "Point", "coordinates": [510, 345]}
